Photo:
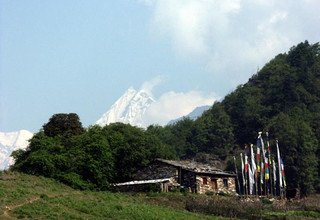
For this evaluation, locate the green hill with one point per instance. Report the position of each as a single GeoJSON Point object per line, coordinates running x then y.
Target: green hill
{"type": "Point", "coordinates": [282, 98]}
{"type": "Point", "coordinates": [25, 196]}
{"type": "Point", "coordinates": [31, 197]}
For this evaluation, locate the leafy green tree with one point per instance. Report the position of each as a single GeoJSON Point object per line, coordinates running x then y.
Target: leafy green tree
{"type": "Point", "coordinates": [213, 132]}
{"type": "Point", "coordinates": [133, 148]}
{"type": "Point", "coordinates": [63, 124]}
{"type": "Point", "coordinates": [38, 159]}
{"type": "Point", "coordinates": [298, 146]}
{"type": "Point", "coordinates": [92, 158]}
{"type": "Point", "coordinates": [175, 136]}
{"type": "Point", "coordinates": [83, 161]}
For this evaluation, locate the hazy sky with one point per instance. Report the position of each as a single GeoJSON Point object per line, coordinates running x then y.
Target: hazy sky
{"type": "Point", "coordinates": [81, 56]}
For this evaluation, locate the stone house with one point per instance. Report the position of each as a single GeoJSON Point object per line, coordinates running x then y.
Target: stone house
{"type": "Point", "coordinates": [165, 175]}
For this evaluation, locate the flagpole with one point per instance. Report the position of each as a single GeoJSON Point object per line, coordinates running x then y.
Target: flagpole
{"type": "Point", "coordinates": [259, 168]}
{"type": "Point", "coordinates": [269, 160]}
{"type": "Point", "coordinates": [279, 169]}
{"type": "Point", "coordinates": [243, 178]}
{"type": "Point", "coordinates": [235, 167]}
{"type": "Point", "coordinates": [254, 169]}
{"type": "Point", "coordinates": [262, 176]}
{"type": "Point", "coordinates": [246, 170]}
{"type": "Point", "coordinates": [274, 177]}
{"type": "Point", "coordinates": [283, 178]}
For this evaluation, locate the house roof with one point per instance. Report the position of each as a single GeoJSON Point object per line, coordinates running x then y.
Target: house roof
{"type": "Point", "coordinates": [196, 167]}
{"type": "Point", "coordinates": [139, 182]}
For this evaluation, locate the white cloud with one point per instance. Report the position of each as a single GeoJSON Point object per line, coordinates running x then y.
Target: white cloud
{"type": "Point", "coordinates": [148, 86]}
{"type": "Point", "coordinates": [189, 23]}
{"type": "Point", "coordinates": [172, 105]}
{"type": "Point", "coordinates": [234, 37]}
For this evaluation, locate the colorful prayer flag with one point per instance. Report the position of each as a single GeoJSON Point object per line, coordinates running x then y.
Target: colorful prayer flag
{"type": "Point", "coordinates": [254, 166]}
{"type": "Point", "coordinates": [279, 164]}
{"type": "Point", "coordinates": [283, 174]}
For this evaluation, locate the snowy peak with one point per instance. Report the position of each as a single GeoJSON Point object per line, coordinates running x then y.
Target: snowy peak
{"type": "Point", "coordinates": [11, 141]}
{"type": "Point", "coordinates": [118, 108]}
{"type": "Point", "coordinates": [129, 108]}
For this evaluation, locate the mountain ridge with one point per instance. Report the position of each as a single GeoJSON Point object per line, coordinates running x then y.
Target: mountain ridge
{"type": "Point", "coordinates": [196, 113]}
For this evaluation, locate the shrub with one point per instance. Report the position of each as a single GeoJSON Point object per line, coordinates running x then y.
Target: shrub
{"type": "Point", "coordinates": [225, 206]}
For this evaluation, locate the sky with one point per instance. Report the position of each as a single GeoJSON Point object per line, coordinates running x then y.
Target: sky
{"type": "Point", "coordinates": [81, 56]}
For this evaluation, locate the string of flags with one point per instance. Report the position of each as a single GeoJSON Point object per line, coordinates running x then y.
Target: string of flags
{"type": "Point", "coordinates": [261, 173]}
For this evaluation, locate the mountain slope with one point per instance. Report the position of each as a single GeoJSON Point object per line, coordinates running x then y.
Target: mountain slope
{"type": "Point", "coordinates": [10, 141]}
{"type": "Point", "coordinates": [129, 108]}
{"type": "Point", "coordinates": [283, 98]}
{"type": "Point", "coordinates": [34, 197]}
{"type": "Point", "coordinates": [196, 113]}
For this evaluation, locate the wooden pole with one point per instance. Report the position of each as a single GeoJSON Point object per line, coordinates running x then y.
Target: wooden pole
{"type": "Point", "coordinates": [235, 167]}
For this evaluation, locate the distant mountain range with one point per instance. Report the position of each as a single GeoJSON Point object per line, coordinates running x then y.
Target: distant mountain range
{"type": "Point", "coordinates": [196, 113]}
{"type": "Point", "coordinates": [10, 141]}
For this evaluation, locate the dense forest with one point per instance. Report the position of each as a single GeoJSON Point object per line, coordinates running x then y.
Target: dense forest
{"type": "Point", "coordinates": [282, 98]}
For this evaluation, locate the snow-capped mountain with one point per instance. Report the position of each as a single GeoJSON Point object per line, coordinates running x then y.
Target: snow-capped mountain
{"type": "Point", "coordinates": [196, 113]}
{"type": "Point", "coordinates": [10, 141]}
{"type": "Point", "coordinates": [129, 108]}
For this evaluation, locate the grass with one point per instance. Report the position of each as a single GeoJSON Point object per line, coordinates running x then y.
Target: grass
{"type": "Point", "coordinates": [255, 208]}
{"type": "Point", "coordinates": [30, 197]}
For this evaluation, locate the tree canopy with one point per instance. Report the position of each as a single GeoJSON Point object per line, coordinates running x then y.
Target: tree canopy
{"type": "Point", "coordinates": [282, 98]}
{"type": "Point", "coordinates": [91, 158]}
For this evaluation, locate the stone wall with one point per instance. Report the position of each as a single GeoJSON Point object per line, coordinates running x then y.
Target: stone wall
{"type": "Point", "coordinates": [206, 183]}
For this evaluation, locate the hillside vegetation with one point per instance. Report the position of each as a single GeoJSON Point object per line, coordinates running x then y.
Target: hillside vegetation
{"type": "Point", "coordinates": [91, 158]}
{"type": "Point", "coordinates": [30, 197]}
{"type": "Point", "coordinates": [26, 196]}
{"type": "Point", "coordinates": [282, 98]}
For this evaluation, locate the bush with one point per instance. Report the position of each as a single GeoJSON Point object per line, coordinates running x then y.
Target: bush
{"type": "Point", "coordinates": [74, 180]}
{"type": "Point", "coordinates": [230, 207]}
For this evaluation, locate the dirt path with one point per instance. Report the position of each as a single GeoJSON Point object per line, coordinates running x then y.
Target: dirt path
{"type": "Point", "coordinates": [6, 215]}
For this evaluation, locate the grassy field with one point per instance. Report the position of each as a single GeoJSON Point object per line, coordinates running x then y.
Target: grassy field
{"type": "Point", "coordinates": [31, 197]}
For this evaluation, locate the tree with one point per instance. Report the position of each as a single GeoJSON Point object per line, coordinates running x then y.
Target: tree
{"type": "Point", "coordinates": [213, 132]}
{"type": "Point", "coordinates": [298, 146]}
{"type": "Point", "coordinates": [38, 159]}
{"type": "Point", "coordinates": [133, 148]}
{"type": "Point", "coordinates": [63, 124]}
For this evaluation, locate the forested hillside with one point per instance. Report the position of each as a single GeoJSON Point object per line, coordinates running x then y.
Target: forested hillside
{"type": "Point", "coordinates": [282, 98]}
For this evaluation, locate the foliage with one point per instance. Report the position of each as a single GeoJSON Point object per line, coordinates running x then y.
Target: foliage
{"type": "Point", "coordinates": [282, 98]}
{"type": "Point", "coordinates": [92, 158]}
{"type": "Point", "coordinates": [63, 124]}
{"type": "Point", "coordinates": [213, 133]}
{"type": "Point", "coordinates": [133, 148]}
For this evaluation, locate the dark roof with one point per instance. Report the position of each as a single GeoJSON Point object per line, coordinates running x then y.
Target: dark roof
{"type": "Point", "coordinates": [196, 167]}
